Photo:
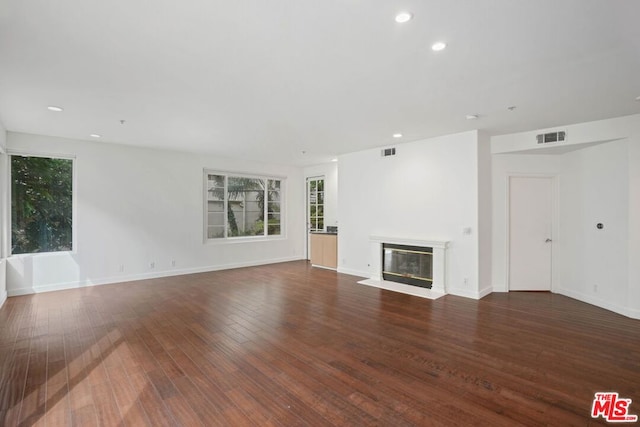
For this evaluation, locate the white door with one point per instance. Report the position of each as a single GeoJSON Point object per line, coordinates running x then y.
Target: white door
{"type": "Point", "coordinates": [530, 226]}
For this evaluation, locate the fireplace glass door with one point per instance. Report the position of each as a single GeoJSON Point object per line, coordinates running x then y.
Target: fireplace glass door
{"type": "Point", "coordinates": [411, 265]}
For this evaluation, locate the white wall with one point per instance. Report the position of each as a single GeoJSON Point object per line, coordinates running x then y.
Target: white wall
{"type": "Point", "coordinates": [633, 296]}
{"type": "Point", "coordinates": [330, 173]}
{"type": "Point", "coordinates": [598, 182]}
{"type": "Point", "coordinates": [135, 206]}
{"type": "Point", "coordinates": [594, 188]}
{"type": "Point", "coordinates": [485, 220]}
{"type": "Point", "coordinates": [3, 214]}
{"type": "Point", "coordinates": [429, 191]}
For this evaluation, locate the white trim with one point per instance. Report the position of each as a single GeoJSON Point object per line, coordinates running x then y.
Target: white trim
{"type": "Point", "coordinates": [239, 239]}
{"type": "Point", "coordinates": [74, 202]}
{"type": "Point", "coordinates": [555, 218]}
{"type": "Point", "coordinates": [625, 311]}
{"type": "Point", "coordinates": [441, 244]}
{"type": "Point", "coordinates": [12, 152]}
{"type": "Point", "coordinates": [143, 276]}
{"type": "Point", "coordinates": [324, 267]}
{"type": "Point", "coordinates": [3, 281]}
{"type": "Point", "coordinates": [352, 272]}
{"type": "Point", "coordinates": [243, 239]}
{"type": "Point", "coordinates": [5, 246]}
{"type": "Point", "coordinates": [307, 209]}
{"type": "Point", "coordinates": [401, 287]}
{"type": "Point", "coordinates": [470, 294]}
{"type": "Point", "coordinates": [242, 174]}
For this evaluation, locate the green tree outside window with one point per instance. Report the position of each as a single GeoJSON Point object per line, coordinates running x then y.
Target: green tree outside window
{"type": "Point", "coordinates": [41, 204]}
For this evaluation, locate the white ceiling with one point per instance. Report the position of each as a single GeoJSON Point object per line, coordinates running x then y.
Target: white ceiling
{"type": "Point", "coordinates": [267, 80]}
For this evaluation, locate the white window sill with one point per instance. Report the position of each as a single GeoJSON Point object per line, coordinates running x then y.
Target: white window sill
{"type": "Point", "coordinates": [248, 239]}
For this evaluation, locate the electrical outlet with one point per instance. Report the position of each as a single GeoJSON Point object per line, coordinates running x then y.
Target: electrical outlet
{"type": "Point", "coordinates": [465, 280]}
{"type": "Point", "coordinates": [121, 268]}
{"type": "Point", "coordinates": [173, 263]}
{"type": "Point", "coordinates": [152, 265]}
{"type": "Point", "coordinates": [595, 288]}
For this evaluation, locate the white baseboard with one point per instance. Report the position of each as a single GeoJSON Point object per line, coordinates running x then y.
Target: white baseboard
{"type": "Point", "coordinates": [3, 297]}
{"type": "Point", "coordinates": [143, 276]}
{"type": "Point", "coordinates": [352, 272]}
{"type": "Point", "coordinates": [625, 311]}
{"type": "Point", "coordinates": [484, 292]}
{"type": "Point", "coordinates": [3, 281]}
{"type": "Point", "coordinates": [470, 294]}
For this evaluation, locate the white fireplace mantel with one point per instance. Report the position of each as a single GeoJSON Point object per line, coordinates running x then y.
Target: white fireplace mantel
{"type": "Point", "coordinates": [438, 288]}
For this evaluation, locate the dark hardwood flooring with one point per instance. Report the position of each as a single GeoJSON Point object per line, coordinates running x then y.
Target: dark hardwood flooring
{"type": "Point", "coordinates": [287, 344]}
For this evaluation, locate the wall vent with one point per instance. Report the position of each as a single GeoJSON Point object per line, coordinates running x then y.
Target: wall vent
{"type": "Point", "coordinates": [546, 138]}
{"type": "Point", "coordinates": [388, 152]}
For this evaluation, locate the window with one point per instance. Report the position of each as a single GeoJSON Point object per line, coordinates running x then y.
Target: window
{"type": "Point", "coordinates": [41, 204]}
{"type": "Point", "coordinates": [237, 206]}
{"type": "Point", "coordinates": [315, 202]}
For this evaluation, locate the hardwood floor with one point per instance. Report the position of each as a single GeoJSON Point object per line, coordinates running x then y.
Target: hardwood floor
{"type": "Point", "coordinates": [287, 344]}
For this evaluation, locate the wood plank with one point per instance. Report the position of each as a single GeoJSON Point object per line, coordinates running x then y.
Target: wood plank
{"type": "Point", "coordinates": [287, 344]}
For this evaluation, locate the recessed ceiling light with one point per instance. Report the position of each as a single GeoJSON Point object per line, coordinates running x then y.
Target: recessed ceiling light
{"type": "Point", "coordinates": [95, 135]}
{"type": "Point", "coordinates": [637, 98]}
{"type": "Point", "coordinates": [397, 135]}
{"type": "Point", "coordinates": [438, 46]}
{"type": "Point", "coordinates": [403, 17]}
{"type": "Point", "coordinates": [334, 160]}
{"type": "Point", "coordinates": [472, 116]}
{"type": "Point", "coordinates": [54, 108]}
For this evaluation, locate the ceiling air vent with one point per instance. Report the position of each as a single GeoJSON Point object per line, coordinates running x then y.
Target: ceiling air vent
{"type": "Point", "coordinates": [546, 138]}
{"type": "Point", "coordinates": [388, 152]}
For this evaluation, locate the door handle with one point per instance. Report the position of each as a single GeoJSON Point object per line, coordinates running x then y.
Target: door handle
{"type": "Point", "coordinates": [548, 240]}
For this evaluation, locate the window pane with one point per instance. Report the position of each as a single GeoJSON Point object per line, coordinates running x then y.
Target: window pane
{"type": "Point", "coordinates": [215, 187]}
{"type": "Point", "coordinates": [273, 229]}
{"type": "Point", "coordinates": [215, 232]}
{"type": "Point", "coordinates": [321, 185]}
{"type": "Point", "coordinates": [273, 208]}
{"type": "Point", "coordinates": [41, 204]}
{"type": "Point", "coordinates": [246, 206]}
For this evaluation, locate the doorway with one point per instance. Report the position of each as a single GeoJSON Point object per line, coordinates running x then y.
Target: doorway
{"type": "Point", "coordinates": [315, 207]}
{"type": "Point", "coordinates": [530, 233]}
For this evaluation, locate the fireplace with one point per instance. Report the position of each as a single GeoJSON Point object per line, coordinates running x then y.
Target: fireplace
{"type": "Point", "coordinates": [411, 265]}
{"type": "Point", "coordinates": [427, 271]}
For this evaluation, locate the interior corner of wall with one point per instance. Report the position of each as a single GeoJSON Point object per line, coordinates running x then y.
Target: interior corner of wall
{"type": "Point", "coordinates": [3, 281]}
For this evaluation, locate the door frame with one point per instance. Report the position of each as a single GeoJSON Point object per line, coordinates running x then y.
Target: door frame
{"type": "Point", "coordinates": [306, 213]}
{"type": "Point", "coordinates": [555, 221]}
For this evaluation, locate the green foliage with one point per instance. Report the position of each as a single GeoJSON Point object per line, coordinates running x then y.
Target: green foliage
{"type": "Point", "coordinates": [41, 204]}
{"type": "Point", "coordinates": [247, 192]}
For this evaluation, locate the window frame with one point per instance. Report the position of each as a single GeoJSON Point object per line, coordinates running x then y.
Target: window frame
{"type": "Point", "coordinates": [226, 239]}
{"type": "Point", "coordinates": [9, 199]}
